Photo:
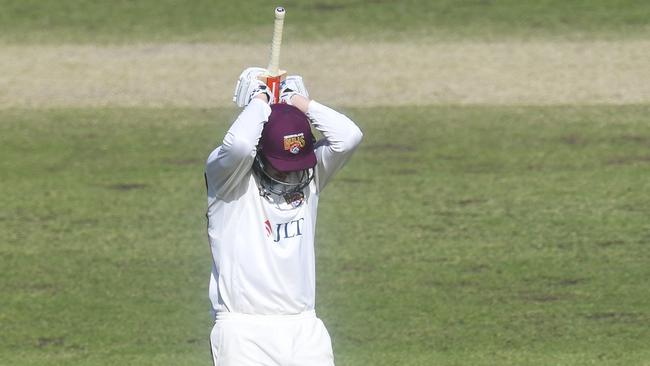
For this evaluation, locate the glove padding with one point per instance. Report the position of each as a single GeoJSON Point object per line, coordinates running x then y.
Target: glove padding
{"type": "Point", "coordinates": [291, 86]}
{"type": "Point", "coordinates": [249, 86]}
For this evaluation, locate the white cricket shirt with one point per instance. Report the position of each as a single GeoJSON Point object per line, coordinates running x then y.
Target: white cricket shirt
{"type": "Point", "coordinates": [262, 251]}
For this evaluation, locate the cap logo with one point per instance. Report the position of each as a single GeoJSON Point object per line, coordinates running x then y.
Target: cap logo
{"type": "Point", "coordinates": [294, 143]}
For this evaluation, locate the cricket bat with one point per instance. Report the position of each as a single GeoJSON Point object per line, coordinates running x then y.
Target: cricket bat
{"type": "Point", "coordinates": [274, 75]}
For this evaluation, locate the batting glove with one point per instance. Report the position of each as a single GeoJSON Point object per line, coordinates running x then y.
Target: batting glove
{"type": "Point", "coordinates": [291, 86]}
{"type": "Point", "coordinates": [249, 86]}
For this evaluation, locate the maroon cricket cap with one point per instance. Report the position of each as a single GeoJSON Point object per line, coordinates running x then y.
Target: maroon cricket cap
{"type": "Point", "coordinates": [287, 142]}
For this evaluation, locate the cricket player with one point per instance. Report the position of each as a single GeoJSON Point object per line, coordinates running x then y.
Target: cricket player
{"type": "Point", "coordinates": [263, 184]}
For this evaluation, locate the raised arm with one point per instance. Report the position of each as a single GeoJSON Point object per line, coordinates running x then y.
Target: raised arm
{"type": "Point", "coordinates": [342, 136]}
{"type": "Point", "coordinates": [230, 163]}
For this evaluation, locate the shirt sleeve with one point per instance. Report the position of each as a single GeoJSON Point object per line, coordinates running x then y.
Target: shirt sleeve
{"type": "Point", "coordinates": [341, 138]}
{"type": "Point", "coordinates": [231, 162]}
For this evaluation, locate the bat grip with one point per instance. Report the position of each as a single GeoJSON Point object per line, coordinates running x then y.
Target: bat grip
{"type": "Point", "coordinates": [274, 62]}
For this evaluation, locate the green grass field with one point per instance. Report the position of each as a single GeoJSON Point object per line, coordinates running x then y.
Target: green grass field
{"type": "Point", "coordinates": [457, 234]}
{"type": "Point", "coordinates": [367, 20]}
{"type": "Point", "coordinates": [476, 235]}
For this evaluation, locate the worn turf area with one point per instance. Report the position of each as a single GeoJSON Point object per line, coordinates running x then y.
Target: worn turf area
{"type": "Point", "coordinates": [457, 235]}
{"type": "Point", "coordinates": [354, 74]}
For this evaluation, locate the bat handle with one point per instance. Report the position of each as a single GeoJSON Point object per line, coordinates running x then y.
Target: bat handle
{"type": "Point", "coordinates": [273, 82]}
{"type": "Point", "coordinates": [274, 63]}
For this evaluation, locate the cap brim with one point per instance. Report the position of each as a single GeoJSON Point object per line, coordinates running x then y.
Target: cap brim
{"type": "Point", "coordinates": [304, 162]}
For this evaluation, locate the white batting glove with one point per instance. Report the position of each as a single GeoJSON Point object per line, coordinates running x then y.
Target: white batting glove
{"type": "Point", "coordinates": [291, 86]}
{"type": "Point", "coordinates": [249, 86]}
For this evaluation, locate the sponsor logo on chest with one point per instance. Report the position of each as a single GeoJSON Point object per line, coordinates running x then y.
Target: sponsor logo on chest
{"type": "Point", "coordinates": [286, 230]}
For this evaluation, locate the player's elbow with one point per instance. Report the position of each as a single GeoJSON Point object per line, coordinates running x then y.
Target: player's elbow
{"type": "Point", "coordinates": [237, 147]}
{"type": "Point", "coordinates": [357, 137]}
{"type": "Point", "coordinates": [351, 141]}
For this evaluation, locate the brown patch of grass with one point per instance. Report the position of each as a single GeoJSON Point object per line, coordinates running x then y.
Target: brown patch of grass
{"type": "Point", "coordinates": [390, 148]}
{"type": "Point", "coordinates": [127, 186]}
{"type": "Point", "coordinates": [44, 342]}
{"type": "Point", "coordinates": [616, 316]}
{"type": "Point", "coordinates": [353, 180]}
{"type": "Point", "coordinates": [574, 140]}
{"type": "Point", "coordinates": [470, 201]}
{"type": "Point", "coordinates": [541, 298]}
{"type": "Point", "coordinates": [641, 140]}
{"type": "Point", "coordinates": [626, 160]}
{"type": "Point", "coordinates": [610, 243]}
{"type": "Point", "coordinates": [571, 281]}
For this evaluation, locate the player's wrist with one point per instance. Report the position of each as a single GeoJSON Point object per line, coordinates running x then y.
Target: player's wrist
{"type": "Point", "coordinates": [263, 97]}
{"type": "Point", "coordinates": [301, 102]}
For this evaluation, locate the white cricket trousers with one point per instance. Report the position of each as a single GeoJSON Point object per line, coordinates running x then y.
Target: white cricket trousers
{"type": "Point", "coordinates": [270, 340]}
